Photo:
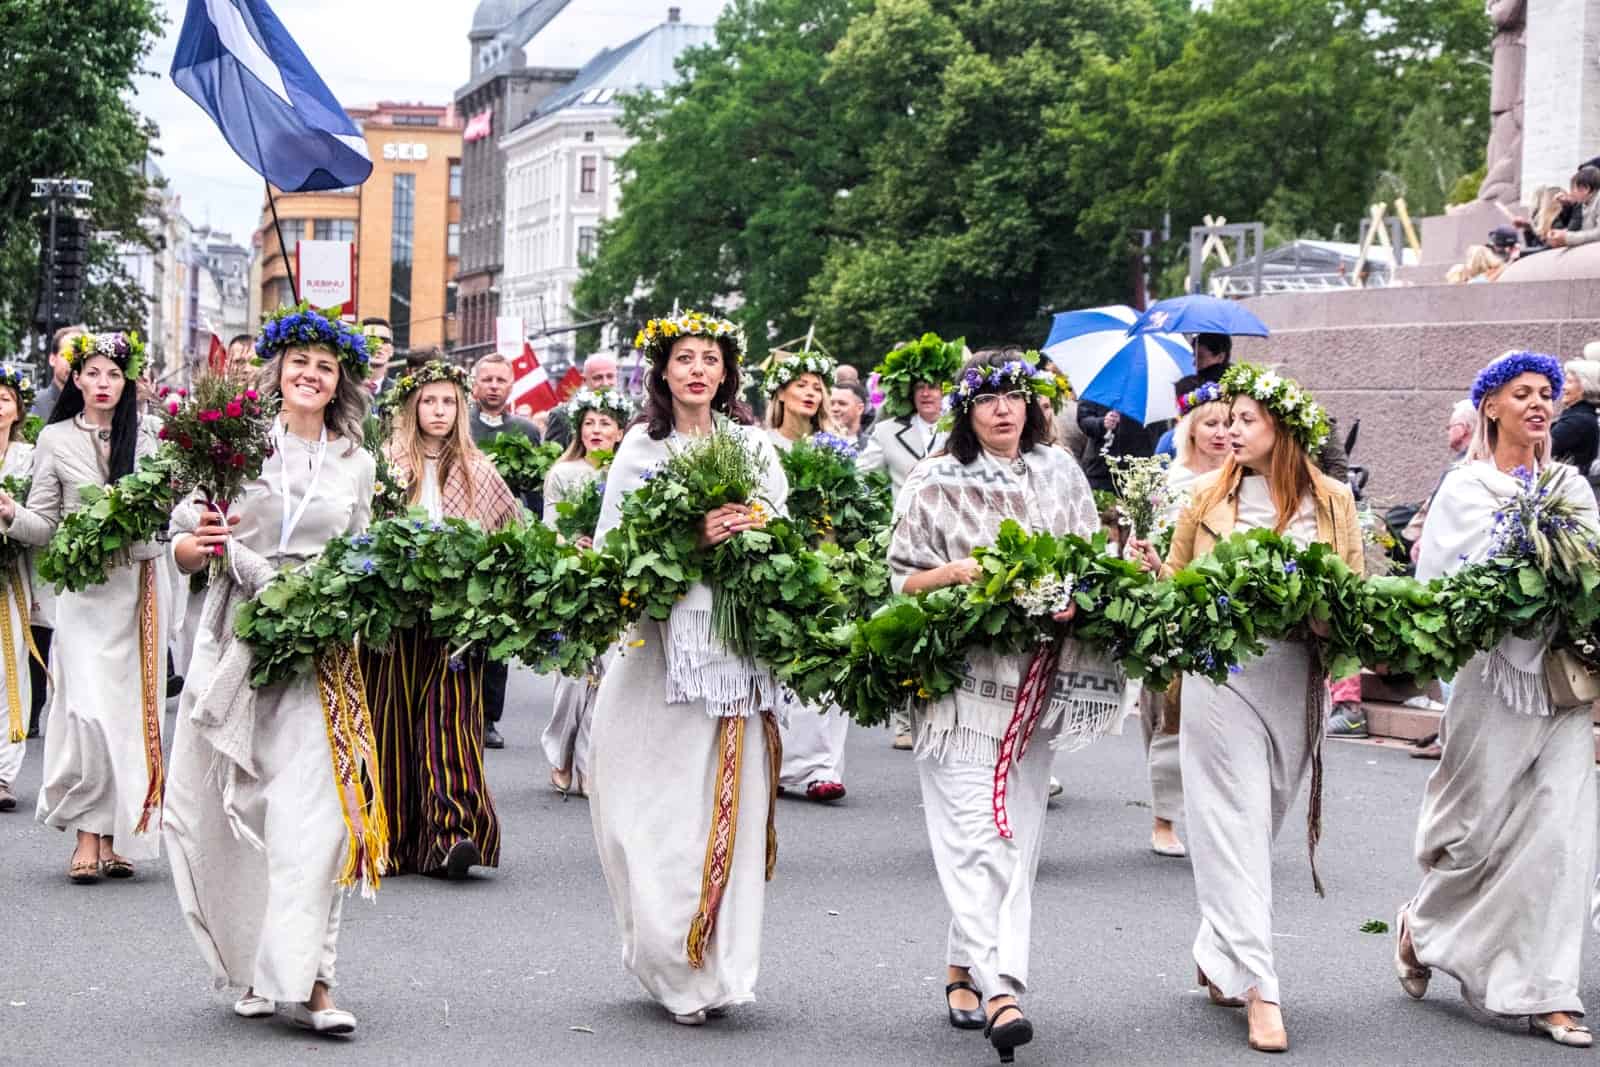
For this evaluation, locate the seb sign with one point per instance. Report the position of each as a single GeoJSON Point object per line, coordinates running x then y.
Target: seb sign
{"type": "Point", "coordinates": [405, 153]}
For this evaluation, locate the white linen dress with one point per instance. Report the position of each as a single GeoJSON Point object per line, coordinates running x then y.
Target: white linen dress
{"type": "Point", "coordinates": [566, 737]}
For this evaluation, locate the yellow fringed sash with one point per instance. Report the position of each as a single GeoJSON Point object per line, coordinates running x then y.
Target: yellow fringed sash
{"type": "Point", "coordinates": [152, 658]}
{"type": "Point", "coordinates": [13, 592]}
{"type": "Point", "coordinates": [355, 768]}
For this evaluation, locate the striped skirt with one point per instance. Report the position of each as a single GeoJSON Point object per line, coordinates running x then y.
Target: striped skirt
{"type": "Point", "coordinates": [428, 718]}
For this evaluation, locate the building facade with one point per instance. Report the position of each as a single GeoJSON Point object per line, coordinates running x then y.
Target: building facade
{"type": "Point", "coordinates": [561, 178]}
{"type": "Point", "coordinates": [501, 92]}
{"type": "Point", "coordinates": [405, 221]}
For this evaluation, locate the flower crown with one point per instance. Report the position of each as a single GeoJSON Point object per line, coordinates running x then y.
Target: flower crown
{"type": "Point", "coordinates": [1512, 364]}
{"type": "Point", "coordinates": [303, 324]}
{"type": "Point", "coordinates": [928, 359]}
{"type": "Point", "coordinates": [123, 349]}
{"type": "Point", "coordinates": [658, 334]}
{"type": "Point", "coordinates": [1209, 393]}
{"type": "Point", "coordinates": [783, 372]}
{"type": "Point", "coordinates": [1291, 405]}
{"type": "Point", "coordinates": [15, 377]}
{"type": "Point", "coordinates": [435, 370]}
{"type": "Point", "coordinates": [605, 401]}
{"type": "Point", "coordinates": [1009, 376]}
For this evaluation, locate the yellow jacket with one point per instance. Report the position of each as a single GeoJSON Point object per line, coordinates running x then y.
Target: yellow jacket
{"type": "Point", "coordinates": [1337, 524]}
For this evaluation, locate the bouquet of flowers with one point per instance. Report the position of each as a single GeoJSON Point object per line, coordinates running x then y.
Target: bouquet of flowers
{"type": "Point", "coordinates": [579, 514]}
{"type": "Point", "coordinates": [1141, 483]}
{"type": "Point", "coordinates": [389, 489]}
{"type": "Point", "coordinates": [220, 435]}
{"type": "Point", "coordinates": [521, 463]}
{"type": "Point", "coordinates": [828, 497]}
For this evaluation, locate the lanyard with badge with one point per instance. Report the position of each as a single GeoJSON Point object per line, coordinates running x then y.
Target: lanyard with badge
{"type": "Point", "coordinates": [292, 515]}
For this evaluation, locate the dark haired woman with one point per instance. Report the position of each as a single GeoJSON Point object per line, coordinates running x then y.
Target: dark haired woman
{"type": "Point", "coordinates": [258, 803]}
{"type": "Point", "coordinates": [684, 743]}
{"type": "Point", "coordinates": [103, 771]}
{"type": "Point", "coordinates": [1506, 836]}
{"type": "Point", "coordinates": [1248, 746]}
{"type": "Point", "coordinates": [16, 461]}
{"type": "Point", "coordinates": [984, 799]}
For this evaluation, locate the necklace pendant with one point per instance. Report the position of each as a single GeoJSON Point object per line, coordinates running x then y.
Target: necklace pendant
{"type": "Point", "coordinates": [1019, 467]}
{"type": "Point", "coordinates": [104, 435]}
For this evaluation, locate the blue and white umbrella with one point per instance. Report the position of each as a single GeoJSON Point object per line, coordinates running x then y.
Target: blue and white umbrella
{"type": "Point", "coordinates": [1200, 313]}
{"type": "Point", "coordinates": [1107, 364]}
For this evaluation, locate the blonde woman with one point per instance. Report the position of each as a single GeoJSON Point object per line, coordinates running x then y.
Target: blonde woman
{"type": "Point", "coordinates": [597, 418]}
{"type": "Point", "coordinates": [813, 738]}
{"type": "Point", "coordinates": [427, 698]}
{"type": "Point", "coordinates": [1506, 836]}
{"type": "Point", "coordinates": [257, 802]}
{"type": "Point", "coordinates": [16, 461]}
{"type": "Point", "coordinates": [1202, 442]}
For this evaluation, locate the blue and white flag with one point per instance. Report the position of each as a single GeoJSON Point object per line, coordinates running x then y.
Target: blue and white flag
{"type": "Point", "coordinates": [240, 65]}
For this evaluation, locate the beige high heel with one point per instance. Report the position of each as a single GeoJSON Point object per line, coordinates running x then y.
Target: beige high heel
{"type": "Point", "coordinates": [1413, 979]}
{"type": "Point", "coordinates": [1267, 1037]}
{"type": "Point", "coordinates": [1214, 993]}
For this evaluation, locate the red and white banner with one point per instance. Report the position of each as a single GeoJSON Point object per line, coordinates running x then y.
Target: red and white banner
{"type": "Point", "coordinates": [479, 126]}
{"type": "Point", "coordinates": [327, 274]}
{"type": "Point", "coordinates": [531, 391]}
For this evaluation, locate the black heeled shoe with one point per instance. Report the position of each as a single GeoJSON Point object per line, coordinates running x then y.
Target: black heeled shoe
{"type": "Point", "coordinates": [1010, 1037]}
{"type": "Point", "coordinates": [965, 1018]}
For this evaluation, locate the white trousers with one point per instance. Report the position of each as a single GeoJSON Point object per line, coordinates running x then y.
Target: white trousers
{"type": "Point", "coordinates": [987, 880]}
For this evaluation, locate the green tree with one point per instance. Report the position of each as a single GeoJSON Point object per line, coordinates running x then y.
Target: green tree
{"type": "Point", "coordinates": [64, 112]}
{"type": "Point", "coordinates": [729, 188]}
{"type": "Point", "coordinates": [966, 224]}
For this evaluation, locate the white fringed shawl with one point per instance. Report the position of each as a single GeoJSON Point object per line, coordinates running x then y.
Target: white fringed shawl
{"type": "Point", "coordinates": [1458, 530]}
{"type": "Point", "coordinates": [946, 510]}
{"type": "Point", "coordinates": [699, 667]}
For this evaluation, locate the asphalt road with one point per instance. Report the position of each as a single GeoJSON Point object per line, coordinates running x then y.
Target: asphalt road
{"type": "Point", "coordinates": [522, 965]}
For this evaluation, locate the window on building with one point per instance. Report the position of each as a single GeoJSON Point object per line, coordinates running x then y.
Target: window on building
{"type": "Point", "coordinates": [400, 249]}
{"type": "Point", "coordinates": [452, 246]}
{"type": "Point", "coordinates": [333, 230]}
{"type": "Point", "coordinates": [588, 137]}
{"type": "Point", "coordinates": [589, 174]}
{"type": "Point", "coordinates": [455, 179]}
{"type": "Point", "coordinates": [586, 239]}
{"type": "Point", "coordinates": [416, 120]}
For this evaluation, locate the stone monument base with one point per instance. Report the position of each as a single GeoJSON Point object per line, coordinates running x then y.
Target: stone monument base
{"type": "Point", "coordinates": [1399, 358]}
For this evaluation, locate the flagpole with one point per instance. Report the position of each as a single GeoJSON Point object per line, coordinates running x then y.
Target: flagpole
{"type": "Point", "coordinates": [283, 248]}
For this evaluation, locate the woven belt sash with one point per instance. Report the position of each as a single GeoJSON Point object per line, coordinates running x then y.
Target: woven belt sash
{"type": "Point", "coordinates": [355, 768]}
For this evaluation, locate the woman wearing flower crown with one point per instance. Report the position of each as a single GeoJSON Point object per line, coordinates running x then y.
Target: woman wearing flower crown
{"type": "Point", "coordinates": [427, 698]}
{"type": "Point", "coordinates": [684, 738]}
{"type": "Point", "coordinates": [813, 740]}
{"type": "Point", "coordinates": [266, 811]}
{"type": "Point", "coordinates": [103, 767]}
{"type": "Point", "coordinates": [597, 419]}
{"type": "Point", "coordinates": [16, 461]}
{"type": "Point", "coordinates": [1201, 439]}
{"type": "Point", "coordinates": [1247, 747]}
{"type": "Point", "coordinates": [984, 751]}
{"type": "Point", "coordinates": [1506, 838]}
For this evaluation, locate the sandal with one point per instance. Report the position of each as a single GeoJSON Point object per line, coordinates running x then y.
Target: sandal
{"type": "Point", "coordinates": [116, 867]}
{"type": "Point", "coordinates": [84, 872]}
{"type": "Point", "coordinates": [561, 782]}
{"type": "Point", "coordinates": [1007, 1038]}
{"type": "Point", "coordinates": [1216, 994]}
{"type": "Point", "coordinates": [1413, 978]}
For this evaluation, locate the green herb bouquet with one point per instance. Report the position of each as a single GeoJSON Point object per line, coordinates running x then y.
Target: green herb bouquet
{"type": "Point", "coordinates": [521, 463]}
{"type": "Point", "coordinates": [829, 498]}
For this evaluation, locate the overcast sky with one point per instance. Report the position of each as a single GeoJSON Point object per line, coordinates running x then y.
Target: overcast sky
{"type": "Point", "coordinates": [366, 50]}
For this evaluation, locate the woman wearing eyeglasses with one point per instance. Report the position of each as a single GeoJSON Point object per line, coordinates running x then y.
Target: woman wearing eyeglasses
{"type": "Point", "coordinates": [985, 810]}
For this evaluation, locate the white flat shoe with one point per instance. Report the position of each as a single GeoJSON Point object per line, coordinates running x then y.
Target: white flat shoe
{"type": "Point", "coordinates": [327, 1021]}
{"type": "Point", "coordinates": [251, 1006]}
{"type": "Point", "coordinates": [1571, 1036]}
{"type": "Point", "coordinates": [1056, 788]}
{"type": "Point", "coordinates": [694, 1018]}
{"type": "Point", "coordinates": [1175, 850]}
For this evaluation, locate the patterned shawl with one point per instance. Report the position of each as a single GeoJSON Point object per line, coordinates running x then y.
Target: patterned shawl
{"type": "Point", "coordinates": [491, 504]}
{"type": "Point", "coordinates": [945, 511]}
